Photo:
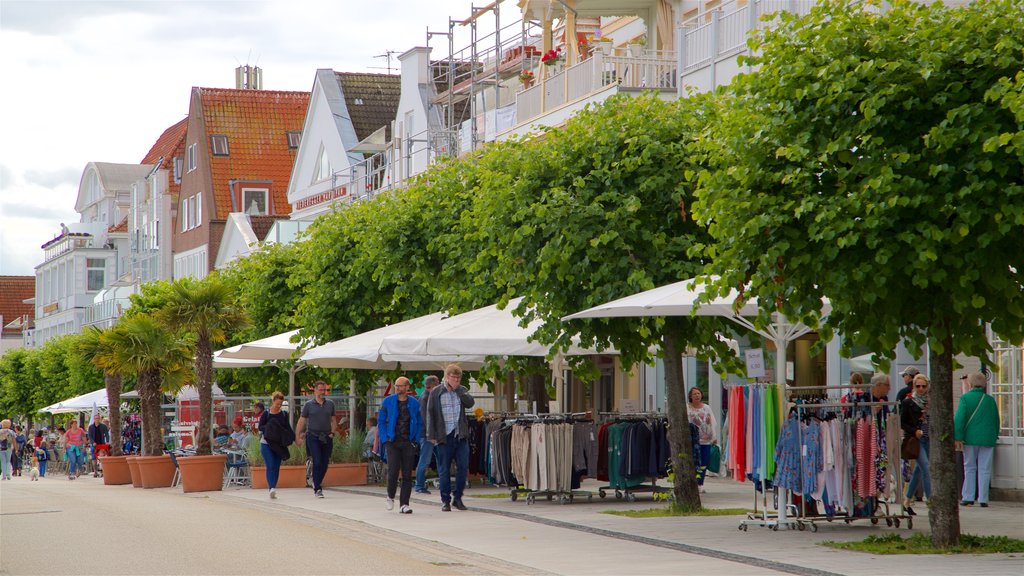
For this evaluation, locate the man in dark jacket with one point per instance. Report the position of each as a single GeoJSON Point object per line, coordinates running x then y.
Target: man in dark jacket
{"type": "Point", "coordinates": [426, 448]}
{"type": "Point", "coordinates": [448, 430]}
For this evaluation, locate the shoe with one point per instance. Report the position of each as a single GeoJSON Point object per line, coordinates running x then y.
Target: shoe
{"type": "Point", "coordinates": [273, 493]}
{"type": "Point", "coordinates": [983, 504]}
{"type": "Point", "coordinates": [405, 510]}
{"type": "Point", "coordinates": [422, 491]}
{"type": "Point", "coordinates": [906, 506]}
{"type": "Point", "coordinates": [702, 490]}
{"type": "Point", "coordinates": [389, 503]}
{"type": "Point", "coordinates": [446, 507]}
{"type": "Point", "coordinates": [318, 493]}
{"type": "Point", "coordinates": [967, 503]}
{"type": "Point", "coordinates": [459, 505]}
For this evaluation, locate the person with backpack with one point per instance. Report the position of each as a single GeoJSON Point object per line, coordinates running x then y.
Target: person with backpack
{"type": "Point", "coordinates": [276, 435]}
{"type": "Point", "coordinates": [7, 443]}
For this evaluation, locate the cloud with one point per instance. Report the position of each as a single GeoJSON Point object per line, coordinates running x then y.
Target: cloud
{"type": "Point", "coordinates": [31, 211]}
{"type": "Point", "coordinates": [57, 17]}
{"type": "Point", "coordinates": [53, 178]}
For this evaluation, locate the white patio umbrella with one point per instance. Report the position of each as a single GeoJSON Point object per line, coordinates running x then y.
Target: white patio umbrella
{"type": "Point", "coordinates": [681, 299]}
{"type": "Point", "coordinates": [276, 347]}
{"type": "Point", "coordinates": [485, 331]}
{"type": "Point", "coordinates": [83, 403]}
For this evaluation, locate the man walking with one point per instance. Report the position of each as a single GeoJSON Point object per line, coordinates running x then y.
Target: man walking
{"type": "Point", "coordinates": [99, 436]}
{"type": "Point", "coordinates": [318, 415]}
{"type": "Point", "coordinates": [448, 430]}
{"type": "Point", "coordinates": [908, 382]}
{"type": "Point", "coordinates": [975, 430]}
{"type": "Point", "coordinates": [426, 448]}
{"type": "Point", "coordinates": [399, 429]}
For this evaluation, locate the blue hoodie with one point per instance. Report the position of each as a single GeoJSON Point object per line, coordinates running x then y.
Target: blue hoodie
{"type": "Point", "coordinates": [387, 419]}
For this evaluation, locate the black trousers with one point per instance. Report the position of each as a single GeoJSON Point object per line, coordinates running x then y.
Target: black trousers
{"type": "Point", "coordinates": [401, 458]}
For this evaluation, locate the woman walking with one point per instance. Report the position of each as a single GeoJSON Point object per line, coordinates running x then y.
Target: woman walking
{"type": "Point", "coordinates": [74, 447]}
{"type": "Point", "coordinates": [7, 444]}
{"type": "Point", "coordinates": [276, 435]}
{"type": "Point", "coordinates": [700, 415]}
{"type": "Point", "coordinates": [914, 421]}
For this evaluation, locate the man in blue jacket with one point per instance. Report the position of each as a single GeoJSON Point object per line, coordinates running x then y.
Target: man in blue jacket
{"type": "Point", "coordinates": [399, 426]}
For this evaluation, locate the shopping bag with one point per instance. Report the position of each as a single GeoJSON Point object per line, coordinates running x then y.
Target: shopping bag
{"type": "Point", "coordinates": [911, 448]}
{"type": "Point", "coordinates": [715, 459]}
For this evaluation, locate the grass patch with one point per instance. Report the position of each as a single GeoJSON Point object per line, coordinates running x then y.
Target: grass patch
{"type": "Point", "coordinates": [492, 495]}
{"type": "Point", "coordinates": [922, 544]}
{"type": "Point", "coordinates": [669, 511]}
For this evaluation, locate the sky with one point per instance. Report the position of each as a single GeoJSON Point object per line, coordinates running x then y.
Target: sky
{"type": "Point", "coordinates": [99, 81]}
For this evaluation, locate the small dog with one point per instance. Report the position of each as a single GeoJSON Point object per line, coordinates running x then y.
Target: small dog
{"type": "Point", "coordinates": [34, 473]}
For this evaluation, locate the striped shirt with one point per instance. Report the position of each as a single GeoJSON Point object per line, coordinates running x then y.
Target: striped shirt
{"type": "Point", "coordinates": [450, 407]}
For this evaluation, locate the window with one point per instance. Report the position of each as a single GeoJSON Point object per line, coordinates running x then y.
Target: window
{"type": "Point", "coordinates": [191, 212]}
{"type": "Point", "coordinates": [96, 268]}
{"type": "Point", "coordinates": [254, 201]}
{"type": "Point", "coordinates": [294, 138]}
{"type": "Point", "coordinates": [155, 234]}
{"type": "Point", "coordinates": [323, 166]}
{"type": "Point", "coordinates": [192, 157]}
{"type": "Point", "coordinates": [184, 214]}
{"type": "Point", "coordinates": [177, 170]}
{"type": "Point", "coordinates": [219, 144]}
{"type": "Point", "coordinates": [199, 208]}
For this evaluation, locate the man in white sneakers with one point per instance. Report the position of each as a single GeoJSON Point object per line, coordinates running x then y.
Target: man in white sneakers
{"type": "Point", "coordinates": [399, 427]}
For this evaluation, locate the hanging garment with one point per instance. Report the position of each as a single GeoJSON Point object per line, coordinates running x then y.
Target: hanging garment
{"type": "Point", "coordinates": [787, 456]}
{"type": "Point", "coordinates": [828, 463]}
{"type": "Point", "coordinates": [866, 447]}
{"type": "Point", "coordinates": [811, 462]}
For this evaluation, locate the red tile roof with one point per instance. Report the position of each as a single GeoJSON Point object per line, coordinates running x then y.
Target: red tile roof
{"type": "Point", "coordinates": [169, 145]}
{"type": "Point", "coordinates": [14, 289]}
{"type": "Point", "coordinates": [122, 226]}
{"type": "Point", "coordinates": [256, 123]}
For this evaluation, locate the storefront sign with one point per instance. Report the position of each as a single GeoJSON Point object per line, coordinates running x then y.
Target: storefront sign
{"type": "Point", "coordinates": [322, 197]}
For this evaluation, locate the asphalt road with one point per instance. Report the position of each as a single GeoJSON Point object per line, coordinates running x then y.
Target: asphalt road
{"type": "Point", "coordinates": [57, 526]}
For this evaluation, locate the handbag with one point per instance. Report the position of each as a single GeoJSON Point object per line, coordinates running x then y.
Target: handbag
{"type": "Point", "coordinates": [911, 448]}
{"type": "Point", "coordinates": [715, 459]}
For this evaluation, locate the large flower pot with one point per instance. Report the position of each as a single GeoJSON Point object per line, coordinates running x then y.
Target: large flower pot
{"type": "Point", "coordinates": [133, 469]}
{"type": "Point", "coordinates": [156, 471]}
{"type": "Point", "coordinates": [290, 477]}
{"type": "Point", "coordinates": [346, 474]}
{"type": "Point", "coordinates": [115, 470]}
{"type": "Point", "coordinates": [202, 473]}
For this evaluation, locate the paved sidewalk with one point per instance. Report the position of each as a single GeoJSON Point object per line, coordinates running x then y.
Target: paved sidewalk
{"type": "Point", "coordinates": [578, 538]}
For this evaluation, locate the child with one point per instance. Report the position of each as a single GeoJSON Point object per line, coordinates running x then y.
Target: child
{"type": "Point", "coordinates": [42, 456]}
{"type": "Point", "coordinates": [33, 473]}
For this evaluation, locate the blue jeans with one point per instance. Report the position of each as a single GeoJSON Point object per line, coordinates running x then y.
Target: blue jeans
{"type": "Point", "coordinates": [921, 472]}
{"type": "Point", "coordinates": [426, 455]}
{"type": "Point", "coordinates": [5, 463]}
{"type": "Point", "coordinates": [977, 466]}
{"type": "Point", "coordinates": [273, 462]}
{"type": "Point", "coordinates": [702, 467]}
{"type": "Point", "coordinates": [42, 468]}
{"type": "Point", "coordinates": [458, 450]}
{"type": "Point", "coordinates": [320, 452]}
{"type": "Point", "coordinates": [75, 459]}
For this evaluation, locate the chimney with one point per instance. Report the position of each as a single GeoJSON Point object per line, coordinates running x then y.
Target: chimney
{"type": "Point", "coordinates": [249, 77]}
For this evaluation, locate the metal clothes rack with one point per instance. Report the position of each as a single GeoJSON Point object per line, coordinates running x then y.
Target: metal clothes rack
{"type": "Point", "coordinates": [762, 514]}
{"type": "Point", "coordinates": [629, 493]}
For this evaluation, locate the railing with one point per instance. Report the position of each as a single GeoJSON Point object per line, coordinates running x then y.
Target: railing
{"type": "Point", "coordinates": [106, 311]}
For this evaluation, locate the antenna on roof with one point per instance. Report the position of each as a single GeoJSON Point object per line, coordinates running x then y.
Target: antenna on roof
{"type": "Point", "coordinates": [249, 77]}
{"type": "Point", "coordinates": [387, 54]}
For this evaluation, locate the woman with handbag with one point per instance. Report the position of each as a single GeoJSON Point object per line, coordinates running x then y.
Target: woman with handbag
{"type": "Point", "coordinates": [914, 421]}
{"type": "Point", "coordinates": [276, 435]}
{"type": "Point", "coordinates": [703, 418]}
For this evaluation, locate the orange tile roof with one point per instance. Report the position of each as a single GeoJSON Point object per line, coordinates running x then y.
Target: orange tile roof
{"type": "Point", "coordinates": [256, 123]}
{"type": "Point", "coordinates": [121, 226]}
{"type": "Point", "coordinates": [14, 289]}
{"type": "Point", "coordinates": [170, 144]}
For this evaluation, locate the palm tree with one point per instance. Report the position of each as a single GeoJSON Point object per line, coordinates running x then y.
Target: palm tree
{"type": "Point", "coordinates": [205, 310]}
{"type": "Point", "coordinates": [159, 359]}
{"type": "Point", "coordinates": [95, 347]}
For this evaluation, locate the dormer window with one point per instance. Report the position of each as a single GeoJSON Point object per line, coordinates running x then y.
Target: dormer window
{"type": "Point", "coordinates": [254, 201]}
{"type": "Point", "coordinates": [294, 139]}
{"type": "Point", "coordinates": [219, 144]}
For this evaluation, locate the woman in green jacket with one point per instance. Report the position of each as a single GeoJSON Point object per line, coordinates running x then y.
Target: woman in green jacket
{"type": "Point", "coordinates": [976, 427]}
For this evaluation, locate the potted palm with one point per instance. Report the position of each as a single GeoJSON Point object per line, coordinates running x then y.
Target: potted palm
{"type": "Point", "coordinates": [158, 358]}
{"type": "Point", "coordinates": [348, 465]}
{"type": "Point", "coordinates": [204, 310]}
{"type": "Point", "coordinates": [95, 346]}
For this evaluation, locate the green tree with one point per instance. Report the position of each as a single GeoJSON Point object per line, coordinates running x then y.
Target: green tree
{"type": "Point", "coordinates": [159, 360]}
{"type": "Point", "coordinates": [598, 210]}
{"type": "Point", "coordinates": [874, 158]}
{"type": "Point", "coordinates": [18, 382]}
{"type": "Point", "coordinates": [203, 309]}
{"type": "Point", "coordinates": [95, 346]}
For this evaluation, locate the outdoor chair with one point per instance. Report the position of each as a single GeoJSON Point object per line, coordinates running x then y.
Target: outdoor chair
{"type": "Point", "coordinates": [236, 469]}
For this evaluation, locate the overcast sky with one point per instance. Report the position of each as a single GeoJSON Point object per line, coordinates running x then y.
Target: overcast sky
{"type": "Point", "coordinates": [88, 81]}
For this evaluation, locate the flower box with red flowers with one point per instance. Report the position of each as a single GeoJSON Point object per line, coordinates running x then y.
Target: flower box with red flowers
{"type": "Point", "coordinates": [551, 57]}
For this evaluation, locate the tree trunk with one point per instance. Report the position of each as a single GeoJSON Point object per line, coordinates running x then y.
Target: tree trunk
{"type": "Point", "coordinates": [149, 399]}
{"type": "Point", "coordinates": [685, 491]}
{"type": "Point", "coordinates": [113, 385]}
{"type": "Point", "coordinates": [204, 384]}
{"type": "Point", "coordinates": [943, 505]}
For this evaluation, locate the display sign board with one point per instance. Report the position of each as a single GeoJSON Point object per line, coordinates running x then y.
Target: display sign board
{"type": "Point", "coordinates": [755, 362]}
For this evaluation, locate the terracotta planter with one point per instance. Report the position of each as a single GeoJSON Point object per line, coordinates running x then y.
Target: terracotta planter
{"type": "Point", "coordinates": [133, 470]}
{"type": "Point", "coordinates": [346, 474]}
{"type": "Point", "coordinates": [115, 470]}
{"type": "Point", "coordinates": [156, 471]}
{"type": "Point", "coordinates": [290, 477]}
{"type": "Point", "coordinates": [202, 473]}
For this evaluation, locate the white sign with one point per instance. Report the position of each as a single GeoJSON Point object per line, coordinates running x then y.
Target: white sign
{"type": "Point", "coordinates": [755, 362]}
{"type": "Point", "coordinates": [626, 406]}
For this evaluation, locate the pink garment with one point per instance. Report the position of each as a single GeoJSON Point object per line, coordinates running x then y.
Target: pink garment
{"type": "Point", "coordinates": [866, 452]}
{"type": "Point", "coordinates": [75, 437]}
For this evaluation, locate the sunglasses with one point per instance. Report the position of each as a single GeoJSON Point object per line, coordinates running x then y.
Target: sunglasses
{"type": "Point", "coordinates": [920, 385]}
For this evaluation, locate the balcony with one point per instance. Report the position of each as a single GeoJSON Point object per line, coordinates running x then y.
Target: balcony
{"type": "Point", "coordinates": [105, 314]}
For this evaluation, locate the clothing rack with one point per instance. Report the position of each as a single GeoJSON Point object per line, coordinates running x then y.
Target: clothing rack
{"type": "Point", "coordinates": [629, 492]}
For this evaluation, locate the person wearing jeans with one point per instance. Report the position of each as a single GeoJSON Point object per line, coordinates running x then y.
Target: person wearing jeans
{"type": "Point", "coordinates": [914, 421]}
{"type": "Point", "coordinates": [319, 438]}
{"type": "Point", "coordinates": [426, 448]}
{"type": "Point", "coordinates": [275, 431]}
{"type": "Point", "coordinates": [448, 430]}
{"type": "Point", "coordinates": [975, 430]}
{"type": "Point", "coordinates": [399, 427]}
{"type": "Point", "coordinates": [7, 439]}
{"type": "Point", "coordinates": [74, 448]}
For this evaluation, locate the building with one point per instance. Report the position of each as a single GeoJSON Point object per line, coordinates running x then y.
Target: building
{"type": "Point", "coordinates": [16, 293]}
{"type": "Point", "coordinates": [240, 146]}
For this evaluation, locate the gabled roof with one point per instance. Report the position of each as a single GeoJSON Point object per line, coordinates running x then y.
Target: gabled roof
{"type": "Point", "coordinates": [372, 100]}
{"type": "Point", "coordinates": [256, 123]}
{"type": "Point", "coordinates": [120, 177]}
{"type": "Point", "coordinates": [14, 289]}
{"type": "Point", "coordinates": [168, 144]}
